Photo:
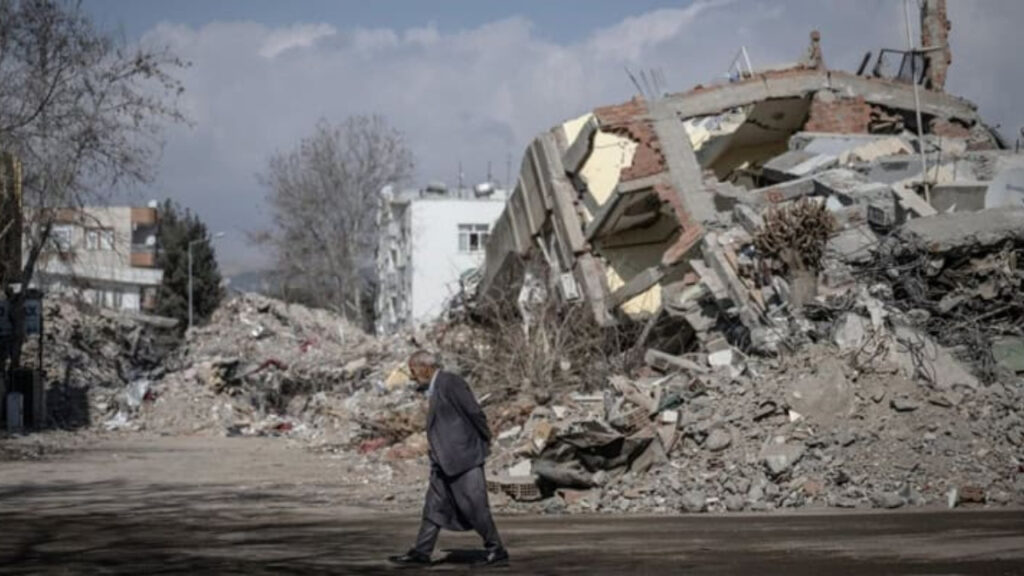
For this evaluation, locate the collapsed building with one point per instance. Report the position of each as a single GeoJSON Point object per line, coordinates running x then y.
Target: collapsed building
{"type": "Point", "coordinates": [826, 269]}
{"type": "Point", "coordinates": [638, 209]}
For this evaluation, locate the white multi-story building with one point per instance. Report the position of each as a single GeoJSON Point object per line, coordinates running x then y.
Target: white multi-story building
{"type": "Point", "coordinates": [428, 239]}
{"type": "Point", "coordinates": [107, 255]}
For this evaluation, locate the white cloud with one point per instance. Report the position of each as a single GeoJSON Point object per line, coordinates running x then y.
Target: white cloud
{"type": "Point", "coordinates": [479, 95]}
{"type": "Point", "coordinates": [298, 36]}
{"type": "Point", "coordinates": [630, 38]}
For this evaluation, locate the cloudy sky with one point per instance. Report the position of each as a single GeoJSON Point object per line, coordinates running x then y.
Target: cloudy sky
{"type": "Point", "coordinates": [472, 82]}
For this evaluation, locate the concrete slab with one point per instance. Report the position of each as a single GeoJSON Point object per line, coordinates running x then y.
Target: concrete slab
{"type": "Point", "coordinates": [965, 230]}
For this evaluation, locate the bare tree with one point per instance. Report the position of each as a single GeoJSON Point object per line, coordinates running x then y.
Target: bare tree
{"type": "Point", "coordinates": [82, 110]}
{"type": "Point", "coordinates": [324, 197]}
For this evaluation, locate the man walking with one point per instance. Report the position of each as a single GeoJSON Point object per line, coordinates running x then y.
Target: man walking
{"type": "Point", "coordinates": [459, 443]}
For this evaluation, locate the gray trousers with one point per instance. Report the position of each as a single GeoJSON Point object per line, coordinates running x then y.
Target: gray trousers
{"type": "Point", "coordinates": [457, 503]}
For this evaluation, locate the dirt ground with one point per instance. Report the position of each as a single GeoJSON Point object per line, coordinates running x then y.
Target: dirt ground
{"type": "Point", "coordinates": [140, 504]}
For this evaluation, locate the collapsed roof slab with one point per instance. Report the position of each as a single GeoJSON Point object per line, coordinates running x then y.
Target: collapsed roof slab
{"type": "Point", "coordinates": [695, 201]}
{"type": "Point", "coordinates": [705, 101]}
{"type": "Point", "coordinates": [964, 230]}
{"type": "Point", "coordinates": [579, 150]}
{"type": "Point", "coordinates": [633, 204]}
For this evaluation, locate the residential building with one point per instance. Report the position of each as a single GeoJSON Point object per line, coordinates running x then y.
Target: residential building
{"type": "Point", "coordinates": [106, 255]}
{"type": "Point", "coordinates": [428, 239]}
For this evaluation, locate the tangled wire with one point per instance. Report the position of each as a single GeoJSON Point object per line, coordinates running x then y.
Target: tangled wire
{"type": "Point", "coordinates": [964, 301]}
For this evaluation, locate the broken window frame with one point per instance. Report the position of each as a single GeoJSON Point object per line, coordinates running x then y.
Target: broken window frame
{"type": "Point", "coordinates": [911, 63]}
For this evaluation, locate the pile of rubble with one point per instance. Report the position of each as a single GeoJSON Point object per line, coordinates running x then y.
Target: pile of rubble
{"type": "Point", "coordinates": [98, 364]}
{"type": "Point", "coordinates": [264, 367]}
{"type": "Point", "coordinates": [874, 414]}
{"type": "Point", "coordinates": [258, 367]}
{"type": "Point", "coordinates": [837, 258]}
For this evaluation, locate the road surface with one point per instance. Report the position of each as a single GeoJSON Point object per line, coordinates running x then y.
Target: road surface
{"type": "Point", "coordinates": [152, 505]}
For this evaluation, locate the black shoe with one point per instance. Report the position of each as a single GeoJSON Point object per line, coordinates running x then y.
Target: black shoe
{"type": "Point", "coordinates": [496, 557]}
{"type": "Point", "coordinates": [411, 558]}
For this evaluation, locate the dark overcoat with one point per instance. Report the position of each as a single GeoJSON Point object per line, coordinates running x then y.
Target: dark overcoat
{"type": "Point", "coordinates": [459, 444]}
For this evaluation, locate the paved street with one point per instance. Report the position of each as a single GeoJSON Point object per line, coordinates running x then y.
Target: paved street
{"type": "Point", "coordinates": [140, 514]}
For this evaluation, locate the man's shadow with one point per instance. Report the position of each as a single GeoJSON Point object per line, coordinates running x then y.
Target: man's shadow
{"type": "Point", "coordinates": [462, 557]}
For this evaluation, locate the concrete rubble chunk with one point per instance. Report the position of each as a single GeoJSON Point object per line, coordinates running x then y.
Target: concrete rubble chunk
{"type": "Point", "coordinates": [694, 502]}
{"type": "Point", "coordinates": [718, 440]}
{"type": "Point", "coordinates": [1009, 353]}
{"type": "Point", "coordinates": [887, 500]}
{"type": "Point", "coordinates": [919, 357]}
{"type": "Point", "coordinates": [824, 395]}
{"type": "Point", "coordinates": [780, 457]}
{"type": "Point", "coordinates": [851, 332]}
{"type": "Point", "coordinates": [734, 503]}
{"type": "Point", "coordinates": [965, 230]}
{"type": "Point", "coordinates": [523, 468]}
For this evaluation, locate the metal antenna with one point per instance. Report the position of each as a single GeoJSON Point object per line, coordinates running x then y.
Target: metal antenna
{"type": "Point", "coordinates": [633, 80]}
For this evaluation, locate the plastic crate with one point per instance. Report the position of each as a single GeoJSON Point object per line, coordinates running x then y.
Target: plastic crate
{"type": "Point", "coordinates": [524, 490]}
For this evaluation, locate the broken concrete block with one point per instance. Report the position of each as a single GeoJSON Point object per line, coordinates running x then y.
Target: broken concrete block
{"type": "Point", "coordinates": [824, 396]}
{"type": "Point", "coordinates": [721, 358]}
{"type": "Point", "coordinates": [853, 245]}
{"type": "Point", "coordinates": [887, 500]}
{"type": "Point", "coordinates": [512, 432]}
{"type": "Point", "coordinates": [779, 458]}
{"type": "Point", "coordinates": [965, 230]}
{"type": "Point", "coordinates": [851, 332]}
{"type": "Point", "coordinates": [749, 218]}
{"type": "Point", "coordinates": [1008, 352]}
{"type": "Point", "coordinates": [718, 440]}
{"type": "Point", "coordinates": [694, 502]}
{"type": "Point", "coordinates": [797, 164]}
{"type": "Point", "coordinates": [524, 468]}
{"type": "Point", "coordinates": [918, 356]}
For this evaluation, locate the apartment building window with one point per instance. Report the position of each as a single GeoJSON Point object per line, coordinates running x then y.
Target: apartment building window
{"type": "Point", "coordinates": [473, 237]}
{"type": "Point", "coordinates": [99, 239]}
{"type": "Point", "coordinates": [60, 238]}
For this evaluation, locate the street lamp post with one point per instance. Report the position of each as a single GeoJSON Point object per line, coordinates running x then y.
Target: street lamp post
{"type": "Point", "coordinates": [197, 240]}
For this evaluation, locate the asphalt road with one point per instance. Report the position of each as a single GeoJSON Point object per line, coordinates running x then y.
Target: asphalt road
{"type": "Point", "coordinates": [72, 515]}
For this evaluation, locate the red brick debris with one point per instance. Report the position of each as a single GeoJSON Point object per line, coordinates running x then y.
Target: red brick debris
{"type": "Point", "coordinates": [631, 120]}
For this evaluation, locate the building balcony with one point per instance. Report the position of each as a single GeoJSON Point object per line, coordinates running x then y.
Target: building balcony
{"type": "Point", "coordinates": [143, 256]}
{"type": "Point", "coordinates": [144, 216]}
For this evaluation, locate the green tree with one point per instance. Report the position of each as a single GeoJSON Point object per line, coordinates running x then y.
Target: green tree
{"type": "Point", "coordinates": [177, 229]}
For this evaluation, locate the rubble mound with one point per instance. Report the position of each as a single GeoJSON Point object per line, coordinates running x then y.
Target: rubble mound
{"type": "Point", "coordinates": [809, 429]}
{"type": "Point", "coordinates": [262, 366]}
{"type": "Point", "coordinates": [96, 361]}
